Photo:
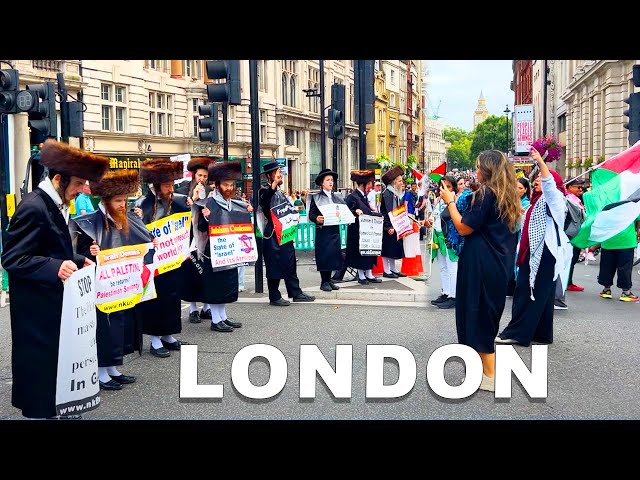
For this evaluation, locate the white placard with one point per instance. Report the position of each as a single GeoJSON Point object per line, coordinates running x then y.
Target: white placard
{"type": "Point", "coordinates": [523, 128]}
{"type": "Point", "coordinates": [336, 214]}
{"type": "Point", "coordinates": [370, 242]}
{"type": "Point", "coordinates": [77, 387]}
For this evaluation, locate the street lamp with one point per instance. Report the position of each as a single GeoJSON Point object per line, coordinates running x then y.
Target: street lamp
{"type": "Point", "coordinates": [506, 114]}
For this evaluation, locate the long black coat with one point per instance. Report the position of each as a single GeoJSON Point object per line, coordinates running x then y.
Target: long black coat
{"type": "Point", "coordinates": [38, 241]}
{"type": "Point", "coordinates": [356, 200]}
{"type": "Point", "coordinates": [391, 246]}
{"type": "Point", "coordinates": [327, 243]}
{"type": "Point", "coordinates": [279, 260]}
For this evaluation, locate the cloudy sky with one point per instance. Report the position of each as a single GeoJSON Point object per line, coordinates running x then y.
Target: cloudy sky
{"type": "Point", "coordinates": [456, 86]}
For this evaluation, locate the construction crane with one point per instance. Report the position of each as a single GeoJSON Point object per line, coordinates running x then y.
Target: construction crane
{"type": "Point", "coordinates": [434, 111]}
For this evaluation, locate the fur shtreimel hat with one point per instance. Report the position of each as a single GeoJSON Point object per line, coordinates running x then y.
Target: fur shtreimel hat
{"type": "Point", "coordinates": [362, 176]}
{"type": "Point", "coordinates": [392, 174]}
{"type": "Point", "coordinates": [199, 162]}
{"type": "Point", "coordinates": [219, 171]}
{"type": "Point", "coordinates": [161, 170]}
{"type": "Point", "coordinates": [72, 161]}
{"type": "Point", "coordinates": [116, 182]}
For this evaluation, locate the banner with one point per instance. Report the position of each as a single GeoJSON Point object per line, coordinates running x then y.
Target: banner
{"type": "Point", "coordinates": [231, 239]}
{"type": "Point", "coordinates": [285, 222]}
{"type": "Point", "coordinates": [173, 233]}
{"type": "Point", "coordinates": [370, 235]}
{"type": "Point", "coordinates": [122, 278]}
{"type": "Point", "coordinates": [77, 387]}
{"type": "Point", "coordinates": [336, 214]}
{"type": "Point", "coordinates": [401, 222]}
{"type": "Point", "coordinates": [523, 128]}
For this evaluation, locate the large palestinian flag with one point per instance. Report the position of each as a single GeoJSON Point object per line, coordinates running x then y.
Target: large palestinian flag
{"type": "Point", "coordinates": [613, 203]}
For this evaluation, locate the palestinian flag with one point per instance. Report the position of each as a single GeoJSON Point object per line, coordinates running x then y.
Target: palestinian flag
{"type": "Point", "coordinates": [613, 203]}
{"type": "Point", "coordinates": [437, 173]}
{"type": "Point", "coordinates": [417, 174]}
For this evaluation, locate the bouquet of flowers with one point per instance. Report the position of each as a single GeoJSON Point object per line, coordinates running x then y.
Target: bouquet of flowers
{"type": "Point", "coordinates": [548, 145]}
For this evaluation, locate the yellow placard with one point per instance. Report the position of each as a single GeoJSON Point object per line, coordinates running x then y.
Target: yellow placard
{"type": "Point", "coordinates": [11, 204]}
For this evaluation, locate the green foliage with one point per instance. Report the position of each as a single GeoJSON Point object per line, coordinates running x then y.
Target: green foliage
{"type": "Point", "coordinates": [412, 161]}
{"type": "Point", "coordinates": [491, 135]}
{"type": "Point", "coordinates": [588, 162]}
{"type": "Point", "coordinates": [459, 155]}
{"type": "Point", "coordinates": [454, 134]}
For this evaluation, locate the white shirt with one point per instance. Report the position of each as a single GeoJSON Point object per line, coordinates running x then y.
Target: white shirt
{"type": "Point", "coordinates": [49, 189]}
{"type": "Point", "coordinates": [328, 194]}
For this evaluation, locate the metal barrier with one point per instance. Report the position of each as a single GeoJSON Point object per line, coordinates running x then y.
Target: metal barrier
{"type": "Point", "coordinates": [306, 235]}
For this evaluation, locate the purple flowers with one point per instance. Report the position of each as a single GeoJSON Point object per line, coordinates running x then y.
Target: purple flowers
{"type": "Point", "coordinates": [548, 144]}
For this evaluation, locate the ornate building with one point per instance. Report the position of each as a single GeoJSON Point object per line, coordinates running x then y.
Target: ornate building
{"type": "Point", "coordinates": [481, 113]}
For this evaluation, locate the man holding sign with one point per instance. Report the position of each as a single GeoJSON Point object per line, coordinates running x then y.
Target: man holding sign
{"type": "Point", "coordinates": [279, 219]}
{"type": "Point", "coordinates": [392, 199]}
{"type": "Point", "coordinates": [121, 274]}
{"type": "Point", "coordinates": [38, 256]}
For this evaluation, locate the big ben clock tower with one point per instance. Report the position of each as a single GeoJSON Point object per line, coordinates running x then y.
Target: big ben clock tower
{"type": "Point", "coordinates": [481, 112]}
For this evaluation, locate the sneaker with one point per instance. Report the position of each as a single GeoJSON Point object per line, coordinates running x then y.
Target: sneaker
{"type": "Point", "coordinates": [488, 383]}
{"type": "Point", "coordinates": [242, 289]}
{"type": "Point", "coordinates": [575, 288]}
{"type": "Point", "coordinates": [559, 305]}
{"type": "Point", "coordinates": [606, 293]}
{"type": "Point", "coordinates": [440, 299]}
{"type": "Point", "coordinates": [628, 297]}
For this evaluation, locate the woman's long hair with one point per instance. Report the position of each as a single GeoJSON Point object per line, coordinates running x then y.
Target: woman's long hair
{"type": "Point", "coordinates": [499, 176]}
{"type": "Point", "coordinates": [527, 186]}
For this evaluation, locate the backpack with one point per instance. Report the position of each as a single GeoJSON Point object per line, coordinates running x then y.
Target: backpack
{"type": "Point", "coordinates": [574, 219]}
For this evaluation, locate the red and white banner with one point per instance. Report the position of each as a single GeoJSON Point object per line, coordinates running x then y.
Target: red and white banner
{"type": "Point", "coordinates": [401, 222]}
{"type": "Point", "coordinates": [523, 128]}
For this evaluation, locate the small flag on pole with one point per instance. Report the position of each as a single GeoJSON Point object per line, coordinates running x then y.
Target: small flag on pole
{"type": "Point", "coordinates": [437, 173]}
{"type": "Point", "coordinates": [417, 174]}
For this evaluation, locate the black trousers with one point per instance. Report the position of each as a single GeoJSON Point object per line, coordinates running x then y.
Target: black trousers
{"type": "Point", "coordinates": [532, 320]}
{"type": "Point", "coordinates": [291, 282]}
{"type": "Point", "coordinates": [616, 260]}
{"type": "Point", "coordinates": [574, 260]}
{"type": "Point", "coordinates": [325, 276]}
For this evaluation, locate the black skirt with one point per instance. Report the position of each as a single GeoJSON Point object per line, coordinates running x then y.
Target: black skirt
{"type": "Point", "coordinates": [163, 315]}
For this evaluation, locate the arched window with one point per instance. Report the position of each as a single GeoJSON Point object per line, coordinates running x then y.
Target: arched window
{"type": "Point", "coordinates": [285, 84]}
{"type": "Point", "coordinates": [293, 91]}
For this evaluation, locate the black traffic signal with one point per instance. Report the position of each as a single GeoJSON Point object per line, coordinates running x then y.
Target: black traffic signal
{"type": "Point", "coordinates": [230, 90]}
{"type": "Point", "coordinates": [366, 69]}
{"type": "Point", "coordinates": [43, 119]}
{"type": "Point", "coordinates": [633, 112]}
{"type": "Point", "coordinates": [209, 123]}
{"type": "Point", "coordinates": [336, 112]}
{"type": "Point", "coordinates": [9, 86]}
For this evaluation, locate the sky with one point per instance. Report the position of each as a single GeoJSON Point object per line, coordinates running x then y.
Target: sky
{"type": "Point", "coordinates": [456, 84]}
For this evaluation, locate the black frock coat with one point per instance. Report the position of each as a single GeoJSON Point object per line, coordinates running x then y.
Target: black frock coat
{"type": "Point", "coordinates": [38, 241]}
{"type": "Point", "coordinates": [356, 200]}
{"type": "Point", "coordinates": [391, 246]}
{"type": "Point", "coordinates": [328, 252]}
{"type": "Point", "coordinates": [279, 260]}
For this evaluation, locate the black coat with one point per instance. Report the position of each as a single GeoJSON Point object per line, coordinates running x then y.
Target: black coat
{"type": "Point", "coordinates": [147, 204]}
{"type": "Point", "coordinates": [279, 260]}
{"type": "Point", "coordinates": [391, 246]}
{"type": "Point", "coordinates": [356, 200]}
{"type": "Point", "coordinates": [38, 241]}
{"type": "Point", "coordinates": [327, 242]}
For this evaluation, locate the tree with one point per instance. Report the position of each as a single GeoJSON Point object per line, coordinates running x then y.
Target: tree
{"type": "Point", "coordinates": [491, 135]}
{"type": "Point", "coordinates": [454, 134]}
{"type": "Point", "coordinates": [459, 155]}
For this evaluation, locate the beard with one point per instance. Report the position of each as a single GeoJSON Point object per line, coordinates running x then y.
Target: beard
{"type": "Point", "coordinates": [119, 217]}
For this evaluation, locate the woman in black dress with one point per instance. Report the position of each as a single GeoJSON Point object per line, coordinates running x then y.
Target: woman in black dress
{"type": "Point", "coordinates": [487, 258]}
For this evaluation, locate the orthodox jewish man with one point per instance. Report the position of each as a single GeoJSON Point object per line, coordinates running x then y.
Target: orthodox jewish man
{"type": "Point", "coordinates": [162, 315]}
{"type": "Point", "coordinates": [112, 226]}
{"type": "Point", "coordinates": [38, 256]}
{"type": "Point", "coordinates": [392, 198]}
{"type": "Point", "coordinates": [279, 259]}
{"type": "Point", "coordinates": [216, 288]}
{"type": "Point", "coordinates": [327, 243]}
{"type": "Point", "coordinates": [359, 205]}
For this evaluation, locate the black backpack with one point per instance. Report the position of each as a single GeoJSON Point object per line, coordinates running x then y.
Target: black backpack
{"type": "Point", "coordinates": [574, 219]}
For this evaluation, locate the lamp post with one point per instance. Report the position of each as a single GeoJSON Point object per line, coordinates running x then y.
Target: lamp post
{"type": "Point", "coordinates": [506, 114]}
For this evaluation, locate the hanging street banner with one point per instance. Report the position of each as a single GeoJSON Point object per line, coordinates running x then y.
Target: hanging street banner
{"type": "Point", "coordinates": [231, 238]}
{"type": "Point", "coordinates": [370, 235]}
{"type": "Point", "coordinates": [173, 233]}
{"type": "Point", "coordinates": [401, 222]}
{"type": "Point", "coordinates": [523, 128]}
{"type": "Point", "coordinates": [336, 214]}
{"type": "Point", "coordinates": [122, 278]}
{"type": "Point", "coordinates": [77, 387]}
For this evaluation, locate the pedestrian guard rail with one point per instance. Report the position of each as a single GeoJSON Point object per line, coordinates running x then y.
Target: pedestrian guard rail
{"type": "Point", "coordinates": [306, 235]}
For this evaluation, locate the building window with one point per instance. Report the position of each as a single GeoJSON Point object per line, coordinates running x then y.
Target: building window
{"type": "Point", "coordinates": [393, 78]}
{"type": "Point", "coordinates": [106, 118]}
{"type": "Point", "coordinates": [231, 121]}
{"type": "Point", "coordinates": [289, 82]}
{"type": "Point", "coordinates": [160, 114]}
{"type": "Point", "coordinates": [113, 104]}
{"type": "Point", "coordinates": [381, 146]}
{"type": "Point", "coordinates": [314, 159]}
{"type": "Point", "coordinates": [291, 137]}
{"type": "Point", "coordinates": [119, 119]}
{"type": "Point", "coordinates": [120, 94]}
{"type": "Point", "coordinates": [392, 153]}
{"type": "Point", "coordinates": [292, 91]}
{"type": "Point", "coordinates": [263, 126]}
{"type": "Point", "coordinates": [262, 75]}
{"type": "Point", "coordinates": [159, 65]}
{"type": "Point", "coordinates": [355, 160]}
{"type": "Point", "coordinates": [392, 126]}
{"type": "Point", "coordinates": [195, 103]}
{"type": "Point", "coordinates": [403, 102]}
{"type": "Point", "coordinates": [403, 79]}
{"type": "Point", "coordinates": [191, 69]}
{"type": "Point", "coordinates": [314, 83]}
{"type": "Point", "coordinates": [105, 92]}
{"type": "Point", "coordinates": [380, 124]}
{"type": "Point", "coordinates": [352, 103]}
{"type": "Point", "coordinates": [403, 155]}
{"type": "Point", "coordinates": [392, 100]}
{"type": "Point", "coordinates": [562, 123]}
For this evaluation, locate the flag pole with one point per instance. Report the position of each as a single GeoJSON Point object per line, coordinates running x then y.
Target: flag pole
{"type": "Point", "coordinates": [596, 166]}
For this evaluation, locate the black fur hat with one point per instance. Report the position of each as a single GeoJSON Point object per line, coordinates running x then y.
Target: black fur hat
{"type": "Point", "coordinates": [161, 170]}
{"type": "Point", "coordinates": [363, 176]}
{"type": "Point", "coordinates": [199, 162]}
{"type": "Point", "coordinates": [219, 171]}
{"type": "Point", "coordinates": [72, 161]}
{"type": "Point", "coordinates": [116, 182]}
{"type": "Point", "coordinates": [392, 174]}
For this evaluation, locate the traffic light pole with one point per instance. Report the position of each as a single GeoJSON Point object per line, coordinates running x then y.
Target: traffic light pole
{"type": "Point", "coordinates": [362, 122]}
{"type": "Point", "coordinates": [64, 109]}
{"type": "Point", "coordinates": [4, 172]}
{"type": "Point", "coordinates": [335, 160]}
{"type": "Point", "coordinates": [225, 131]}
{"type": "Point", "coordinates": [255, 164]}
{"type": "Point", "coordinates": [323, 133]}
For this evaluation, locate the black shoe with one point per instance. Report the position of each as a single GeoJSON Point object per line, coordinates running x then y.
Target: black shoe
{"type": "Point", "coordinates": [303, 297]}
{"type": "Point", "coordinates": [160, 352]}
{"type": "Point", "coordinates": [221, 327]}
{"type": "Point", "coordinates": [448, 303]}
{"type": "Point", "coordinates": [325, 287]}
{"type": "Point", "coordinates": [124, 379]}
{"type": "Point", "coordinates": [171, 346]}
{"type": "Point", "coordinates": [281, 302]}
{"type": "Point", "coordinates": [110, 385]}
{"type": "Point", "coordinates": [334, 286]}
{"type": "Point", "coordinates": [233, 324]}
{"type": "Point", "coordinates": [440, 299]}
{"type": "Point", "coordinates": [400, 274]}
{"type": "Point", "coordinates": [194, 317]}
{"type": "Point", "coordinates": [373, 280]}
{"type": "Point", "coordinates": [205, 314]}
{"type": "Point", "coordinates": [363, 281]}
{"type": "Point", "coordinates": [389, 275]}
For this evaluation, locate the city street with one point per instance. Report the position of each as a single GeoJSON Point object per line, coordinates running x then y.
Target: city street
{"type": "Point", "coordinates": [592, 364]}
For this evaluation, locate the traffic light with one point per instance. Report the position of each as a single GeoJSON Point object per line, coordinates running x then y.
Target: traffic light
{"type": "Point", "coordinates": [75, 119]}
{"type": "Point", "coordinates": [209, 123]}
{"type": "Point", "coordinates": [9, 84]}
{"type": "Point", "coordinates": [633, 112]}
{"type": "Point", "coordinates": [366, 69]}
{"type": "Point", "coordinates": [43, 118]}
{"type": "Point", "coordinates": [336, 112]}
{"type": "Point", "coordinates": [228, 91]}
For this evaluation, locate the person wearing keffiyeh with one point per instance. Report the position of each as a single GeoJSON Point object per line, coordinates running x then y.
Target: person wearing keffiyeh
{"type": "Point", "coordinates": [543, 255]}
